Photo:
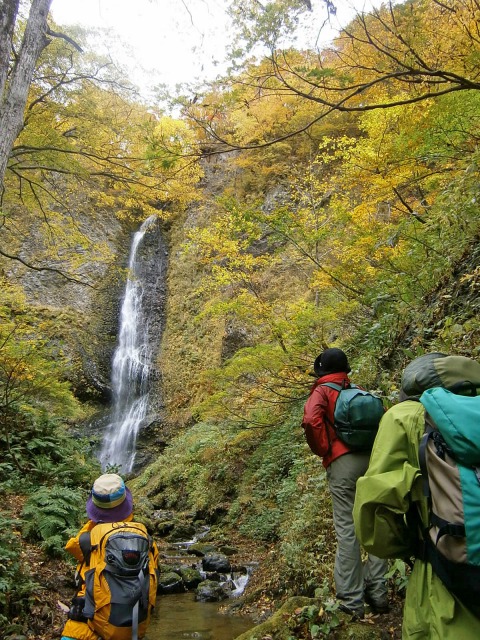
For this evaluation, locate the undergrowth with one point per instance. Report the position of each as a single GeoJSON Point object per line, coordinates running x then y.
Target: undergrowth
{"type": "Point", "coordinates": [49, 472]}
{"type": "Point", "coordinates": [51, 515]}
{"type": "Point", "coordinates": [16, 586]}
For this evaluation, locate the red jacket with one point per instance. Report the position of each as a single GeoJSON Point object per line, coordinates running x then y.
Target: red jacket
{"type": "Point", "coordinates": [318, 418]}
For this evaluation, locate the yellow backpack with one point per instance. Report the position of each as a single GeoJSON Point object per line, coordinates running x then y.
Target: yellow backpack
{"type": "Point", "coordinates": [121, 579]}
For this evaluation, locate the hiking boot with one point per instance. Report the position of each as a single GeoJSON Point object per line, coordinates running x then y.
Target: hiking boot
{"type": "Point", "coordinates": [357, 613]}
{"type": "Point", "coordinates": [377, 605]}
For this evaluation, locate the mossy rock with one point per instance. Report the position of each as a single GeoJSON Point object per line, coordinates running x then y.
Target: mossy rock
{"type": "Point", "coordinates": [210, 591]}
{"type": "Point", "coordinates": [181, 532]}
{"type": "Point", "coordinates": [281, 625]}
{"type": "Point", "coordinates": [191, 577]}
{"type": "Point", "coordinates": [170, 582]}
{"type": "Point", "coordinates": [200, 549]}
{"type": "Point", "coordinates": [163, 528]}
{"type": "Point", "coordinates": [228, 550]}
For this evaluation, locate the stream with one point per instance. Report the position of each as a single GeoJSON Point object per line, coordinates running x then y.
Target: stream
{"type": "Point", "coordinates": [179, 616]}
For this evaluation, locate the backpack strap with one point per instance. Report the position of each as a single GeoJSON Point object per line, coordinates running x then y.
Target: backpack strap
{"type": "Point", "coordinates": [337, 387]}
{"type": "Point", "coordinates": [442, 449]}
{"type": "Point", "coordinates": [422, 454]}
{"type": "Point", "coordinates": [85, 542]}
{"type": "Point", "coordinates": [141, 577]}
{"type": "Point", "coordinates": [135, 621]}
{"type": "Point", "coordinates": [459, 578]}
{"type": "Point", "coordinates": [331, 385]}
{"type": "Point", "coordinates": [447, 528]}
{"type": "Point", "coordinates": [421, 551]}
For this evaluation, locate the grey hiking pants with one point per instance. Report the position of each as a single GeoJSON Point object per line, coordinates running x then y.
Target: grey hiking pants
{"type": "Point", "coordinates": [352, 578]}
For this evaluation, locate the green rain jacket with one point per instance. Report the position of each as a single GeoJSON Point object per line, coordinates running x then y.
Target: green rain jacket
{"type": "Point", "coordinates": [384, 495]}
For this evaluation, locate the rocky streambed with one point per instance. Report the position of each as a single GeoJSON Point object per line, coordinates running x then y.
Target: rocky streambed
{"type": "Point", "coordinates": [200, 582]}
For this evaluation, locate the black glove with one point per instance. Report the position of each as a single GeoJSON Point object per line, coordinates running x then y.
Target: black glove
{"type": "Point", "coordinates": [76, 609]}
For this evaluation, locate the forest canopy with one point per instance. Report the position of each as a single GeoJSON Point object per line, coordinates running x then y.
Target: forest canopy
{"type": "Point", "coordinates": [371, 145]}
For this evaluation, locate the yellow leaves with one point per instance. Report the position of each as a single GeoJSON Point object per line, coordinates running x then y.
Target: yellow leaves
{"type": "Point", "coordinates": [223, 247]}
{"type": "Point", "coordinates": [259, 117]}
{"type": "Point", "coordinates": [31, 369]}
{"type": "Point", "coordinates": [320, 281]}
{"type": "Point", "coordinates": [105, 199]}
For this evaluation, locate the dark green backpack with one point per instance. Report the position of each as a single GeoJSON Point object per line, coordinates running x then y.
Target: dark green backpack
{"type": "Point", "coordinates": [357, 414]}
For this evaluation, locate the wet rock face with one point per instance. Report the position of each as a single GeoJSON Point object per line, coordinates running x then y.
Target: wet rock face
{"type": "Point", "coordinates": [235, 338]}
{"type": "Point", "coordinates": [151, 270]}
{"type": "Point", "coordinates": [84, 301]}
{"type": "Point", "coordinates": [150, 273]}
{"type": "Point", "coordinates": [102, 239]}
{"type": "Point", "coordinates": [153, 254]}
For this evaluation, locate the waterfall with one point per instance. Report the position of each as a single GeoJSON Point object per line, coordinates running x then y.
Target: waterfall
{"type": "Point", "coordinates": [131, 364]}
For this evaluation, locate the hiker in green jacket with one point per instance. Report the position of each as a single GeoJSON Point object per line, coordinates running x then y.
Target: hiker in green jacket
{"type": "Point", "coordinates": [392, 488]}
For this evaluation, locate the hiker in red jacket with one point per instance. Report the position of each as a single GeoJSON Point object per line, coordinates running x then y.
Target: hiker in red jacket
{"type": "Point", "coordinates": [355, 583]}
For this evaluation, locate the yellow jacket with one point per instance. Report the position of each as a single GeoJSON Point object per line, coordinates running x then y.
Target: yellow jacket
{"type": "Point", "coordinates": [80, 629]}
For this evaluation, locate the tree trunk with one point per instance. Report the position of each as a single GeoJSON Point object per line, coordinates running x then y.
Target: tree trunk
{"type": "Point", "coordinates": [15, 87]}
{"type": "Point", "coordinates": [8, 14]}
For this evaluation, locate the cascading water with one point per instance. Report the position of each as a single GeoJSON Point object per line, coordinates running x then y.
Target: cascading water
{"type": "Point", "coordinates": [131, 364]}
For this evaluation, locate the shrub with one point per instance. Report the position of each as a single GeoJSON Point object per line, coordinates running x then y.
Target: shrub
{"type": "Point", "coordinates": [15, 586]}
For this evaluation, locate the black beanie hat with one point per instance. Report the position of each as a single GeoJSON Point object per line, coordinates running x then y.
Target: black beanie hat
{"type": "Point", "coordinates": [331, 361]}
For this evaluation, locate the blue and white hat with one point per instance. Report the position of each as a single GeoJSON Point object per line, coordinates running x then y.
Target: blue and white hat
{"type": "Point", "coordinates": [110, 500]}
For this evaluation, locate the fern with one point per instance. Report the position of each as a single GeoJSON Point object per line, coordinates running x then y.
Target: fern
{"type": "Point", "coordinates": [50, 515]}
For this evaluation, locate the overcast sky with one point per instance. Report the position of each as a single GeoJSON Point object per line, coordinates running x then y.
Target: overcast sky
{"type": "Point", "coordinates": [170, 41]}
{"type": "Point", "coordinates": [159, 41]}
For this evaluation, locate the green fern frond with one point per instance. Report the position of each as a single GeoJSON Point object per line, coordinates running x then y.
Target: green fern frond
{"type": "Point", "coordinates": [50, 514]}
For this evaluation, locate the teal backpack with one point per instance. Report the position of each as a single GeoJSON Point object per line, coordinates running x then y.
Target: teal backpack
{"type": "Point", "coordinates": [357, 414]}
{"type": "Point", "coordinates": [450, 463]}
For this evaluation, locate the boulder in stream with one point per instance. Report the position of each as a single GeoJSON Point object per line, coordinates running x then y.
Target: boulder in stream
{"type": "Point", "coordinates": [216, 562]}
{"type": "Point", "coordinates": [200, 549]}
{"type": "Point", "coordinates": [210, 591]}
{"type": "Point", "coordinates": [170, 582]}
{"type": "Point", "coordinates": [191, 577]}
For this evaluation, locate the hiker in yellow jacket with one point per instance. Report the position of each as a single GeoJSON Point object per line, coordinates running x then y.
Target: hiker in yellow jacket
{"type": "Point", "coordinates": [110, 501]}
{"type": "Point", "coordinates": [392, 488]}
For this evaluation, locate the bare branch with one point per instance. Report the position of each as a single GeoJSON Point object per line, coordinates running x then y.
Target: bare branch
{"type": "Point", "coordinates": [56, 34]}
{"type": "Point", "coordinates": [51, 269]}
